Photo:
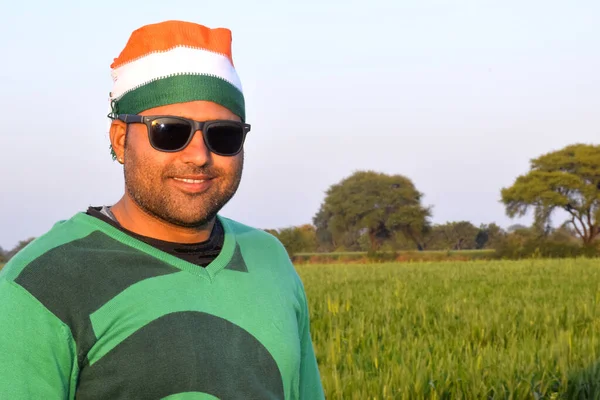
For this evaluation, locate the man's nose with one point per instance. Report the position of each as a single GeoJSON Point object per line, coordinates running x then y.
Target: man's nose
{"type": "Point", "coordinates": [196, 151]}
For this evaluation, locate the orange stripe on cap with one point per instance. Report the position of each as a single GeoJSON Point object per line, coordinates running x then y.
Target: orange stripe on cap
{"type": "Point", "coordinates": [166, 35]}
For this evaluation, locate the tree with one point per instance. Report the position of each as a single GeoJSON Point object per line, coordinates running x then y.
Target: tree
{"type": "Point", "coordinates": [432, 238]}
{"type": "Point", "coordinates": [489, 236]}
{"type": "Point", "coordinates": [3, 257]}
{"type": "Point", "coordinates": [516, 227]}
{"type": "Point", "coordinates": [567, 179]}
{"type": "Point", "coordinates": [452, 235]}
{"type": "Point", "coordinates": [375, 204]}
{"type": "Point", "coordinates": [324, 237]}
{"type": "Point", "coordinates": [399, 242]}
{"type": "Point", "coordinates": [297, 239]}
{"type": "Point", "coordinates": [461, 235]}
{"type": "Point", "coordinates": [563, 234]}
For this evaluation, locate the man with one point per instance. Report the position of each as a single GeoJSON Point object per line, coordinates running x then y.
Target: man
{"type": "Point", "coordinates": [158, 296]}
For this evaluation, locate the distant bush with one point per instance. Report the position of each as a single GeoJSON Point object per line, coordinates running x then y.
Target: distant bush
{"type": "Point", "coordinates": [508, 249]}
{"type": "Point", "coordinates": [514, 247]}
{"type": "Point", "coordinates": [296, 239]}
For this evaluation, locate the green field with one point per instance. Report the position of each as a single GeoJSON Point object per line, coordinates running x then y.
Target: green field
{"type": "Point", "coordinates": [471, 330]}
{"type": "Point", "coordinates": [350, 253]}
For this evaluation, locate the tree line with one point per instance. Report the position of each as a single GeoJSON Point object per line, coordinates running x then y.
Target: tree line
{"type": "Point", "coordinates": [517, 241]}
{"type": "Point", "coordinates": [374, 212]}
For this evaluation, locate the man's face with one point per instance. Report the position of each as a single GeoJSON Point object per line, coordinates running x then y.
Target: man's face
{"type": "Point", "coordinates": [186, 188]}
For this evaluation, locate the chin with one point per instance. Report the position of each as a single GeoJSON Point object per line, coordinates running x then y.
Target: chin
{"type": "Point", "coordinates": [191, 222]}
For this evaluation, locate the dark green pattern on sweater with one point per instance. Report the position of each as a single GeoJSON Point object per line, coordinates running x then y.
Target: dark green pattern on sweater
{"type": "Point", "coordinates": [189, 352]}
{"type": "Point", "coordinates": [77, 278]}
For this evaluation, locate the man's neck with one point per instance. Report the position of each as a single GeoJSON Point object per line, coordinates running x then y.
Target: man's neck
{"type": "Point", "coordinates": [133, 218]}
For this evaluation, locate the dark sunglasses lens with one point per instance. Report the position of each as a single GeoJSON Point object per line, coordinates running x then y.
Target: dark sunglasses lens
{"type": "Point", "coordinates": [224, 138]}
{"type": "Point", "coordinates": [169, 134]}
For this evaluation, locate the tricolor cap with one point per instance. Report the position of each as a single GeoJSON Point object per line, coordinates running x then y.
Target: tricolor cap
{"type": "Point", "coordinates": [175, 62]}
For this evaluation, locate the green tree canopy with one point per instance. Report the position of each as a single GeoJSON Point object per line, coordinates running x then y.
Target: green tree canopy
{"type": "Point", "coordinates": [297, 239]}
{"type": "Point", "coordinates": [567, 179]}
{"type": "Point", "coordinates": [324, 236]}
{"type": "Point", "coordinates": [489, 236]}
{"type": "Point", "coordinates": [459, 235]}
{"type": "Point", "coordinates": [516, 227]}
{"type": "Point", "coordinates": [371, 203]}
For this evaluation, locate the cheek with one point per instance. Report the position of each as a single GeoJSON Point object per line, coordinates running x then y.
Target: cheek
{"type": "Point", "coordinates": [230, 165]}
{"type": "Point", "coordinates": [145, 163]}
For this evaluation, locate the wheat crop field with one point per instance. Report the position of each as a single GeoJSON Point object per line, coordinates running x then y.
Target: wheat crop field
{"type": "Point", "coordinates": [457, 330]}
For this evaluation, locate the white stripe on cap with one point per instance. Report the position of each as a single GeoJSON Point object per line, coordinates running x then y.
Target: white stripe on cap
{"type": "Point", "coordinates": [177, 61]}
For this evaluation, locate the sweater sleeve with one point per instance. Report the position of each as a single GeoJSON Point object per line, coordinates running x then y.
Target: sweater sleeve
{"type": "Point", "coordinates": [310, 379]}
{"type": "Point", "coordinates": [36, 348]}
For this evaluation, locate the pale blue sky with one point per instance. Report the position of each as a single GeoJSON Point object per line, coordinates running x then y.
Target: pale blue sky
{"type": "Point", "coordinates": [457, 95]}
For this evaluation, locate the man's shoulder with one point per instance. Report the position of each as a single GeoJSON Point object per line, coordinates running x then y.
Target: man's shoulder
{"type": "Point", "coordinates": [61, 233]}
{"type": "Point", "coordinates": [77, 265]}
{"type": "Point", "coordinates": [69, 249]}
{"type": "Point", "coordinates": [248, 236]}
{"type": "Point", "coordinates": [242, 230]}
{"type": "Point", "coordinates": [269, 245]}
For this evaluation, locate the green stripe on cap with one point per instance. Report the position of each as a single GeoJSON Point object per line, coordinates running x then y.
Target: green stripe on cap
{"type": "Point", "coordinates": [181, 89]}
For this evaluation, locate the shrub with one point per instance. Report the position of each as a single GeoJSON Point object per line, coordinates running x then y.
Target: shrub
{"type": "Point", "coordinates": [519, 247]}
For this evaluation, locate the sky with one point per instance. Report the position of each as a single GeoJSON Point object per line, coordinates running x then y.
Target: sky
{"type": "Point", "coordinates": [456, 95]}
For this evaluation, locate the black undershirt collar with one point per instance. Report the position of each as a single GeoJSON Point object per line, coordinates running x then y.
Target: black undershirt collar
{"type": "Point", "coordinates": [201, 254]}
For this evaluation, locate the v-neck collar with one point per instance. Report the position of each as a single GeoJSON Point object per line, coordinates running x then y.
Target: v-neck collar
{"type": "Point", "coordinates": [209, 272]}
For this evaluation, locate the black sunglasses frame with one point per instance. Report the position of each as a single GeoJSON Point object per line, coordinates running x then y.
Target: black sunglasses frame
{"type": "Point", "coordinates": [195, 126]}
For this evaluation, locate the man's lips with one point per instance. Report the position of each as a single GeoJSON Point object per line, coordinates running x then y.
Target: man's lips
{"type": "Point", "coordinates": [192, 180]}
{"type": "Point", "coordinates": [193, 183]}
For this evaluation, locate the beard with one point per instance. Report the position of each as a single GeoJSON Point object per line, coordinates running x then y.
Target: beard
{"type": "Point", "coordinates": [147, 185]}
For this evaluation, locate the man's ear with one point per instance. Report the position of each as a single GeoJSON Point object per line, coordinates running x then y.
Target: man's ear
{"type": "Point", "coordinates": [118, 130]}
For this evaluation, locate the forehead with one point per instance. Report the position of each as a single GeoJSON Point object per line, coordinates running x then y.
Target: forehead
{"type": "Point", "coordinates": [198, 110]}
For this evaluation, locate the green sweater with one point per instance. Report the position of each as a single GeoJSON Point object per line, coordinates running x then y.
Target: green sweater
{"type": "Point", "coordinates": [88, 312]}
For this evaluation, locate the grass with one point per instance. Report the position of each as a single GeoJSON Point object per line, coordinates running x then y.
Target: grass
{"type": "Point", "coordinates": [400, 256]}
{"type": "Point", "coordinates": [484, 330]}
{"type": "Point", "coordinates": [350, 253]}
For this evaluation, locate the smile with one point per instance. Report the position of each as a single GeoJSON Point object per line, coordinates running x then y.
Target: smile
{"type": "Point", "coordinates": [190, 180]}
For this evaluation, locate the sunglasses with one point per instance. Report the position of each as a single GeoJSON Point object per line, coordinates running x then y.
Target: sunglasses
{"type": "Point", "coordinates": [171, 134]}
